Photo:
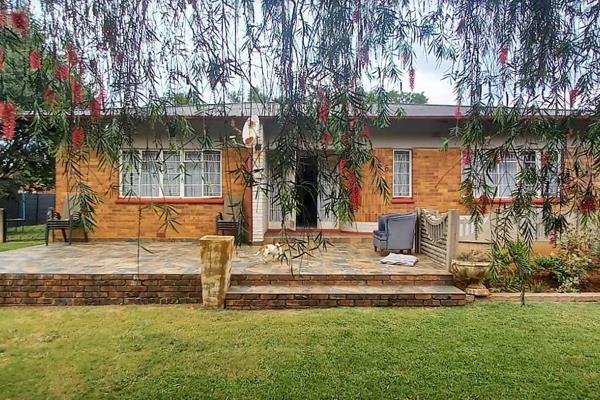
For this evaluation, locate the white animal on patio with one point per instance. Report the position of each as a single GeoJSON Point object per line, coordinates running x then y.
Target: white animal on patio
{"type": "Point", "coordinates": [270, 249]}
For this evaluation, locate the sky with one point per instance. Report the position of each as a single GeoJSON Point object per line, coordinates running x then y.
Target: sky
{"type": "Point", "coordinates": [429, 76]}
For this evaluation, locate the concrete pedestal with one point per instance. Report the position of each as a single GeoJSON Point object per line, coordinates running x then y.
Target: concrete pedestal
{"type": "Point", "coordinates": [216, 253]}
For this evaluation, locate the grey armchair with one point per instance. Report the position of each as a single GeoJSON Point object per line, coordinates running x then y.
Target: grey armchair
{"type": "Point", "coordinates": [395, 232]}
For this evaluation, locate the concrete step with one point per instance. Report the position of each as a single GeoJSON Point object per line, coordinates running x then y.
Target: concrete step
{"type": "Point", "coordinates": [321, 296]}
{"type": "Point", "coordinates": [421, 277]}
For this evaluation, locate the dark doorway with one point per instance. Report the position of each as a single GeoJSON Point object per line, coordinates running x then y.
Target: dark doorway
{"type": "Point", "coordinates": [306, 181]}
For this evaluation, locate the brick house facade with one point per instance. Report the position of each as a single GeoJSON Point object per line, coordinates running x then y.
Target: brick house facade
{"type": "Point", "coordinates": [418, 171]}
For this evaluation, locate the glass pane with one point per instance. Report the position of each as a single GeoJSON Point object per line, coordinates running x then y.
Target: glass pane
{"type": "Point", "coordinates": [193, 174]}
{"type": "Point", "coordinates": [171, 174]}
{"type": "Point", "coordinates": [130, 174]}
{"type": "Point", "coordinates": [401, 185]}
{"type": "Point", "coordinates": [211, 177]}
{"type": "Point", "coordinates": [150, 174]}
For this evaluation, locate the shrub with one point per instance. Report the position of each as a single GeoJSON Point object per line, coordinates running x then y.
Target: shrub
{"type": "Point", "coordinates": [578, 251]}
{"type": "Point", "coordinates": [567, 281]}
{"type": "Point", "coordinates": [513, 266]}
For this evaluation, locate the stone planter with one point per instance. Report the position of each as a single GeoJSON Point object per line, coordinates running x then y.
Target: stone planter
{"type": "Point", "coordinates": [473, 273]}
{"type": "Point", "coordinates": [215, 255]}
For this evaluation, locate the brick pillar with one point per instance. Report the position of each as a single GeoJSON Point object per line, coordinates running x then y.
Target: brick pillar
{"type": "Point", "coordinates": [216, 253]}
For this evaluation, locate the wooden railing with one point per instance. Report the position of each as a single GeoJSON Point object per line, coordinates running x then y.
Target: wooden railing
{"type": "Point", "coordinates": [437, 235]}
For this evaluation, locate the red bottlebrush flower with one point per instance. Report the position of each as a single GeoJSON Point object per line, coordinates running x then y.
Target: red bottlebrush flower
{"type": "Point", "coordinates": [327, 138]}
{"type": "Point", "coordinates": [78, 137]}
{"type": "Point", "coordinates": [588, 204]}
{"type": "Point", "coordinates": [363, 56]}
{"type": "Point", "coordinates": [405, 58]}
{"type": "Point", "coordinates": [35, 59]}
{"type": "Point", "coordinates": [3, 18]}
{"type": "Point", "coordinates": [343, 166]}
{"type": "Point", "coordinates": [458, 112]}
{"type": "Point", "coordinates": [355, 197]}
{"type": "Point", "coordinates": [365, 131]}
{"type": "Point", "coordinates": [324, 110]}
{"type": "Point", "coordinates": [570, 133]}
{"type": "Point", "coordinates": [95, 108]}
{"type": "Point", "coordinates": [20, 21]}
{"type": "Point", "coordinates": [572, 97]}
{"type": "Point", "coordinates": [61, 72]}
{"type": "Point", "coordinates": [72, 57]}
{"type": "Point", "coordinates": [466, 157]}
{"type": "Point", "coordinates": [76, 91]}
{"type": "Point", "coordinates": [1, 59]}
{"type": "Point", "coordinates": [8, 115]}
{"type": "Point", "coordinates": [503, 55]}
{"type": "Point", "coordinates": [411, 78]}
{"type": "Point", "coordinates": [460, 27]}
{"type": "Point", "coordinates": [50, 97]}
{"type": "Point", "coordinates": [545, 159]}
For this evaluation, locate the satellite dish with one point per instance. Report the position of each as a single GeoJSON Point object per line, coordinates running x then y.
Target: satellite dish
{"type": "Point", "coordinates": [250, 130]}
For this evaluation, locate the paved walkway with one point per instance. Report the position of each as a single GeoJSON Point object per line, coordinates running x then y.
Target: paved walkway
{"type": "Point", "coordinates": [184, 258]}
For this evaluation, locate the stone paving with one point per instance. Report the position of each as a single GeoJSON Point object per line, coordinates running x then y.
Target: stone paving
{"type": "Point", "coordinates": [184, 258]}
{"type": "Point", "coordinates": [345, 289]}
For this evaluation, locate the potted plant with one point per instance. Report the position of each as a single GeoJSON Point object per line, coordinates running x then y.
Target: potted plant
{"type": "Point", "coordinates": [472, 267]}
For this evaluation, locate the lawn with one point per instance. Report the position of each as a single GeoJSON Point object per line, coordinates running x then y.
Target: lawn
{"type": "Point", "coordinates": [23, 237]}
{"type": "Point", "coordinates": [495, 351]}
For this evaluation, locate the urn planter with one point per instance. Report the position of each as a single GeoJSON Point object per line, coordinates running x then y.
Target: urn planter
{"type": "Point", "coordinates": [472, 272]}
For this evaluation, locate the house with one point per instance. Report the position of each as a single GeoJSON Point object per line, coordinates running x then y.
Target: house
{"type": "Point", "coordinates": [200, 182]}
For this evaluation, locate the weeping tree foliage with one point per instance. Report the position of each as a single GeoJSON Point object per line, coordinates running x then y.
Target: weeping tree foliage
{"type": "Point", "coordinates": [525, 76]}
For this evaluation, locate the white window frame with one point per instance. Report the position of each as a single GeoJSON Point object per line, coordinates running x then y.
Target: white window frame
{"type": "Point", "coordinates": [410, 173]}
{"type": "Point", "coordinates": [538, 165]}
{"type": "Point", "coordinates": [161, 174]}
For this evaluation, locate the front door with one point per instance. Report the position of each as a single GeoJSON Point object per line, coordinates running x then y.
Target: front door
{"type": "Point", "coordinates": [306, 181]}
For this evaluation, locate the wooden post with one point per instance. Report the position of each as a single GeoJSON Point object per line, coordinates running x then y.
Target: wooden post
{"type": "Point", "coordinates": [216, 253]}
{"type": "Point", "coordinates": [3, 225]}
{"type": "Point", "coordinates": [452, 239]}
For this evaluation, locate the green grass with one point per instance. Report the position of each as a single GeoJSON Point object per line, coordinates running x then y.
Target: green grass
{"type": "Point", "coordinates": [23, 237]}
{"type": "Point", "coordinates": [495, 351]}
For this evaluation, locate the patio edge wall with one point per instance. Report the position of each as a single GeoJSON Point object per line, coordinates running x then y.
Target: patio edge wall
{"type": "Point", "coordinates": [102, 289]}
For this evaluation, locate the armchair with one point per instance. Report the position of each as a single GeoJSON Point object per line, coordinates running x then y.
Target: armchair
{"type": "Point", "coordinates": [395, 232]}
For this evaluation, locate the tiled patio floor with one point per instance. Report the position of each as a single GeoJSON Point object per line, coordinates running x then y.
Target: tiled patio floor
{"type": "Point", "coordinates": [184, 258]}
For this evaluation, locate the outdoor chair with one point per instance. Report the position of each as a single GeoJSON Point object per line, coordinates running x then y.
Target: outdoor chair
{"type": "Point", "coordinates": [57, 222]}
{"type": "Point", "coordinates": [395, 232]}
{"type": "Point", "coordinates": [232, 221]}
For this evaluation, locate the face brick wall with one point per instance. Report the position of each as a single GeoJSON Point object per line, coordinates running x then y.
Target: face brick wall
{"type": "Point", "coordinates": [101, 289]}
{"type": "Point", "coordinates": [436, 177]}
{"type": "Point", "coordinates": [116, 220]}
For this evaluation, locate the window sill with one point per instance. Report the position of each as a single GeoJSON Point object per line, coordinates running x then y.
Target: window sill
{"type": "Point", "coordinates": [403, 200]}
{"type": "Point", "coordinates": [169, 200]}
{"type": "Point", "coordinates": [509, 200]}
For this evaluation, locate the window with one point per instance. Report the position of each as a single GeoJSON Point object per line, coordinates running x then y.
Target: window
{"type": "Point", "coordinates": [155, 173]}
{"type": "Point", "coordinates": [503, 176]}
{"type": "Point", "coordinates": [402, 173]}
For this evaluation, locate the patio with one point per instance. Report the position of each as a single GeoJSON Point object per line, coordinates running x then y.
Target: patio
{"type": "Point", "coordinates": [184, 258]}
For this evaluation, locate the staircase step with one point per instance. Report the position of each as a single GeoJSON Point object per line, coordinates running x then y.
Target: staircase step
{"type": "Point", "coordinates": [320, 296]}
{"type": "Point", "coordinates": [409, 279]}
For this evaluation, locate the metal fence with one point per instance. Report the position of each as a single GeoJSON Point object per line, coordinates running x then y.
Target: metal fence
{"type": "Point", "coordinates": [28, 208]}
